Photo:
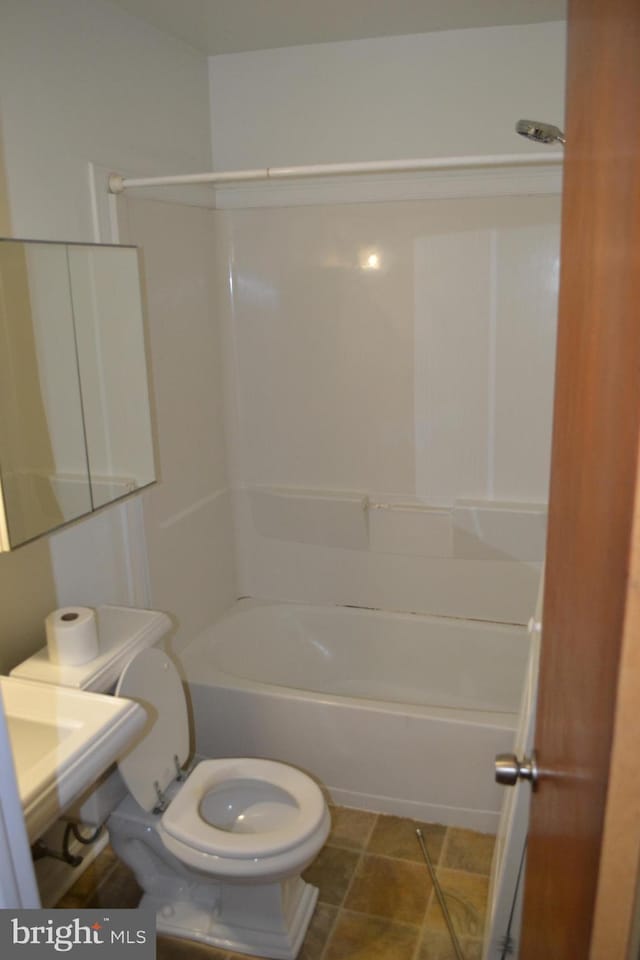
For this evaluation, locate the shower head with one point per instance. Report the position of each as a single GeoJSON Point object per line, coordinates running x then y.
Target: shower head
{"type": "Point", "coordinates": [539, 132]}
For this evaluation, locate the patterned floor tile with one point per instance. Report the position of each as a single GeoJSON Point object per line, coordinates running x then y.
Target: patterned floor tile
{"type": "Point", "coordinates": [396, 837]}
{"type": "Point", "coordinates": [372, 868]}
{"type": "Point", "coordinates": [175, 948]}
{"type": "Point", "coordinates": [469, 851]}
{"type": "Point", "coordinates": [89, 881]}
{"type": "Point", "coordinates": [331, 872]}
{"type": "Point", "coordinates": [359, 937]}
{"type": "Point", "coordinates": [321, 925]}
{"type": "Point", "coordinates": [70, 902]}
{"type": "Point", "coordinates": [119, 889]}
{"type": "Point", "coordinates": [396, 889]}
{"type": "Point", "coordinates": [350, 828]}
{"type": "Point", "coordinates": [466, 898]}
{"type": "Point", "coordinates": [437, 945]}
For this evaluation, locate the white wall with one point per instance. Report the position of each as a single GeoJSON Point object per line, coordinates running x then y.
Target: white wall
{"type": "Point", "coordinates": [80, 82]}
{"type": "Point", "coordinates": [439, 94]}
{"type": "Point", "coordinates": [187, 515]}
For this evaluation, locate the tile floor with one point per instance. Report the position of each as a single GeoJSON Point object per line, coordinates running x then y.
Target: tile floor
{"type": "Point", "coordinates": [376, 899]}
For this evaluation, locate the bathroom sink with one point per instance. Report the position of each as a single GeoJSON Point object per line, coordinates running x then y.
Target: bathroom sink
{"type": "Point", "coordinates": [62, 740]}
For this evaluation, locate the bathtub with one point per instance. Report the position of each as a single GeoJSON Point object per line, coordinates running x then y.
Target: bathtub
{"type": "Point", "coordinates": [390, 712]}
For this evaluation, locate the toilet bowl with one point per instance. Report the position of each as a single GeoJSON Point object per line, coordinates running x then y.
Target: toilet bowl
{"type": "Point", "coordinates": [245, 819]}
{"type": "Point", "coordinates": [218, 852]}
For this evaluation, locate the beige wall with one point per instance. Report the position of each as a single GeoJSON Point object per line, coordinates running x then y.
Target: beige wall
{"type": "Point", "coordinates": [27, 590]}
{"type": "Point", "coordinates": [5, 228]}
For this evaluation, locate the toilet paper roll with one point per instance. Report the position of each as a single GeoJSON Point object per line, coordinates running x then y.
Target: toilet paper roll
{"type": "Point", "coordinates": [72, 635]}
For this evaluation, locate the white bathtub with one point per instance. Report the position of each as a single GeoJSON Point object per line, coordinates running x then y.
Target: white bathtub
{"type": "Point", "coordinates": [398, 713]}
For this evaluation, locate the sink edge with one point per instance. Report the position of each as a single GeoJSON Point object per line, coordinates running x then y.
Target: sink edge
{"type": "Point", "coordinates": [43, 807]}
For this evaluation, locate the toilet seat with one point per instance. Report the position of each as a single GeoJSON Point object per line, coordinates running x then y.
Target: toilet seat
{"type": "Point", "coordinates": [244, 808]}
{"type": "Point", "coordinates": [239, 818]}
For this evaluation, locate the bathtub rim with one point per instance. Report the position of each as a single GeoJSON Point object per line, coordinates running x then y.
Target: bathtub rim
{"type": "Point", "coordinates": [504, 720]}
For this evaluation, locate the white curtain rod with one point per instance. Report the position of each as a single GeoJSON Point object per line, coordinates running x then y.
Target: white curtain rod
{"type": "Point", "coordinates": [118, 183]}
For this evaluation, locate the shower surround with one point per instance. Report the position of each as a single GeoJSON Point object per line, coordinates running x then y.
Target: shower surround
{"type": "Point", "coordinates": [389, 380]}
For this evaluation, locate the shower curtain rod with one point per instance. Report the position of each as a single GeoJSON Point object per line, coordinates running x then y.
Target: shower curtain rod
{"type": "Point", "coordinates": [118, 183]}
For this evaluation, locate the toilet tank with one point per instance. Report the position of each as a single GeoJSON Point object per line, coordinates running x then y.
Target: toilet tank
{"type": "Point", "coordinates": [122, 633]}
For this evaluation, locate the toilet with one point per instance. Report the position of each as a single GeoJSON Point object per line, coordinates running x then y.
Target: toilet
{"type": "Point", "coordinates": [219, 850]}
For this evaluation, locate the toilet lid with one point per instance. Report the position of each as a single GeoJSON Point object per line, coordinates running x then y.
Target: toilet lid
{"type": "Point", "coordinates": [151, 679]}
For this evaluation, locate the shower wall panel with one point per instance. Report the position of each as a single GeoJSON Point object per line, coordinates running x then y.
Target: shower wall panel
{"type": "Point", "coordinates": [393, 360]}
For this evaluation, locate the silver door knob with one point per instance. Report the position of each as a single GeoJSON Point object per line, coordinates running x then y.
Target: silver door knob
{"type": "Point", "coordinates": [509, 769]}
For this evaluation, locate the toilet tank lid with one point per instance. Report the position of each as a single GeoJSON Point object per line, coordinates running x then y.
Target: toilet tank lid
{"type": "Point", "coordinates": [151, 679]}
{"type": "Point", "coordinates": [122, 632]}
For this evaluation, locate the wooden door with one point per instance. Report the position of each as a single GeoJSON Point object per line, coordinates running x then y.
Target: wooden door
{"type": "Point", "coordinates": [590, 597]}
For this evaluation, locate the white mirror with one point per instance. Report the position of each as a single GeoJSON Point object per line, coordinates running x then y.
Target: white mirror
{"type": "Point", "coordinates": [75, 427]}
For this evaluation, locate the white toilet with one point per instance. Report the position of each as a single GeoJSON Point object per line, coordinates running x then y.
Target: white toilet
{"type": "Point", "coordinates": [218, 852]}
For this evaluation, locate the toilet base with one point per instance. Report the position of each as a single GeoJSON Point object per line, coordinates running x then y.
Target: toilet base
{"type": "Point", "coordinates": [263, 920]}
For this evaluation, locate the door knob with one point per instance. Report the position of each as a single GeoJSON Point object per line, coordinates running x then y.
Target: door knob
{"type": "Point", "coordinates": [509, 769]}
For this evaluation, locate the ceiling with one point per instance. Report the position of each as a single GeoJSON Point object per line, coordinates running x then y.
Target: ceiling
{"type": "Point", "coordinates": [233, 26]}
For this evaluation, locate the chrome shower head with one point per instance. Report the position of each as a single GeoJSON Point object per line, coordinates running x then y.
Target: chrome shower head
{"type": "Point", "coordinates": [539, 132]}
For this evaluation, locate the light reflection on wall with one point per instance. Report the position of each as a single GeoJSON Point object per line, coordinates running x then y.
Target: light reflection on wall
{"type": "Point", "coordinates": [370, 260]}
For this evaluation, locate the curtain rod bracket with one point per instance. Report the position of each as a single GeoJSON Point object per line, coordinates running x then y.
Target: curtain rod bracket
{"type": "Point", "coordinates": [116, 183]}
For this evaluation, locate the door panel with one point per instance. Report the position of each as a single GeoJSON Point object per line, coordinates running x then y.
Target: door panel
{"type": "Point", "coordinates": [593, 476]}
